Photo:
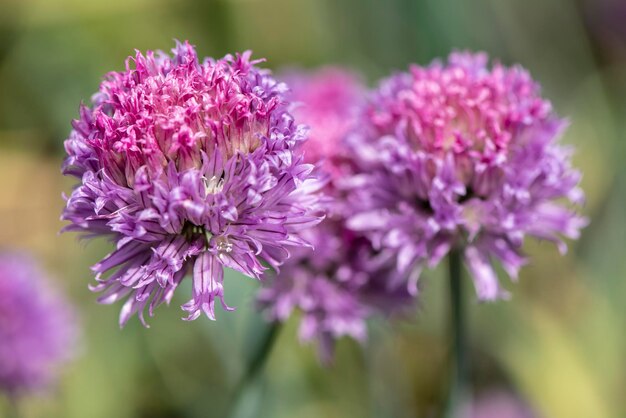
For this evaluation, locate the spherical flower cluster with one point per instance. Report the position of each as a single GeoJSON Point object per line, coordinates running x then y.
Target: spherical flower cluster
{"type": "Point", "coordinates": [460, 155]}
{"type": "Point", "coordinates": [38, 329]}
{"type": "Point", "coordinates": [187, 166]}
{"type": "Point", "coordinates": [327, 101]}
{"type": "Point", "coordinates": [345, 280]}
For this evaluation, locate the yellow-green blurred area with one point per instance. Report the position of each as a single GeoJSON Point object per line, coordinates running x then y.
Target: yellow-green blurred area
{"type": "Point", "coordinates": [560, 342]}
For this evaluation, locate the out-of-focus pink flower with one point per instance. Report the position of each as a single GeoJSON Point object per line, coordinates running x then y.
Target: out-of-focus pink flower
{"type": "Point", "coordinates": [326, 100]}
{"type": "Point", "coordinates": [345, 280]}
{"type": "Point", "coordinates": [38, 327]}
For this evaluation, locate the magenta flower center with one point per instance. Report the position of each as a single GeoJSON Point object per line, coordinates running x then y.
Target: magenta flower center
{"type": "Point", "coordinates": [156, 114]}
{"type": "Point", "coordinates": [462, 108]}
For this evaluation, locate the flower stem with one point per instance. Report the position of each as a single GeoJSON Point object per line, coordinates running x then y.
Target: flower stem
{"type": "Point", "coordinates": [458, 386]}
{"type": "Point", "coordinates": [13, 410]}
{"type": "Point", "coordinates": [255, 364]}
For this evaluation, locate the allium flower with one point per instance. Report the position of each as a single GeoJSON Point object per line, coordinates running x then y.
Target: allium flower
{"type": "Point", "coordinates": [187, 166]}
{"type": "Point", "coordinates": [326, 100]}
{"type": "Point", "coordinates": [336, 287]}
{"type": "Point", "coordinates": [462, 155]}
{"type": "Point", "coordinates": [38, 329]}
{"type": "Point", "coordinates": [345, 280]}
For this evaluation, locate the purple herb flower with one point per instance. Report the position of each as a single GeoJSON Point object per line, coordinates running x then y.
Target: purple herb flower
{"type": "Point", "coordinates": [462, 155]}
{"type": "Point", "coordinates": [187, 166]}
{"type": "Point", "coordinates": [345, 280]}
{"type": "Point", "coordinates": [336, 287]}
{"type": "Point", "coordinates": [326, 100]}
{"type": "Point", "coordinates": [38, 330]}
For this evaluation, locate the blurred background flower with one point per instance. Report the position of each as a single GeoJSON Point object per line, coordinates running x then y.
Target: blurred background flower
{"type": "Point", "coordinates": [564, 353]}
{"type": "Point", "coordinates": [345, 279]}
{"type": "Point", "coordinates": [38, 328]}
{"type": "Point", "coordinates": [327, 101]}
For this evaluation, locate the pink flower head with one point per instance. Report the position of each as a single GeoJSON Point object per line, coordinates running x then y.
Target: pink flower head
{"type": "Point", "coordinates": [462, 154]}
{"type": "Point", "coordinates": [188, 166]}
{"type": "Point", "coordinates": [345, 280]}
{"type": "Point", "coordinates": [326, 100]}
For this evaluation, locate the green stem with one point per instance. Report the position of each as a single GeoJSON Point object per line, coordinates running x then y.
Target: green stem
{"type": "Point", "coordinates": [255, 365]}
{"type": "Point", "coordinates": [458, 387]}
{"type": "Point", "coordinates": [13, 409]}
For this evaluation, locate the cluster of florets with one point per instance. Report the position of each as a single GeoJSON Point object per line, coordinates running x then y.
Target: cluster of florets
{"type": "Point", "coordinates": [461, 156]}
{"type": "Point", "coordinates": [187, 166]}
{"type": "Point", "coordinates": [38, 328]}
{"type": "Point", "coordinates": [341, 283]}
{"type": "Point", "coordinates": [327, 100]}
{"type": "Point", "coordinates": [336, 288]}
{"type": "Point", "coordinates": [196, 166]}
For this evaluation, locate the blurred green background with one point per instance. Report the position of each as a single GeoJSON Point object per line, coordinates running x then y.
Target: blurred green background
{"type": "Point", "coordinates": [559, 343]}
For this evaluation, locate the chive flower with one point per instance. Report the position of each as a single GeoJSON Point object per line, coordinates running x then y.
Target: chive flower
{"type": "Point", "coordinates": [345, 280]}
{"type": "Point", "coordinates": [187, 166]}
{"type": "Point", "coordinates": [462, 155]}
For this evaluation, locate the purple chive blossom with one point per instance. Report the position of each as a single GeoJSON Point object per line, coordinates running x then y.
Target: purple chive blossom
{"type": "Point", "coordinates": [345, 280]}
{"type": "Point", "coordinates": [38, 329]}
{"type": "Point", "coordinates": [462, 155]}
{"type": "Point", "coordinates": [326, 100]}
{"type": "Point", "coordinates": [336, 287]}
{"type": "Point", "coordinates": [187, 166]}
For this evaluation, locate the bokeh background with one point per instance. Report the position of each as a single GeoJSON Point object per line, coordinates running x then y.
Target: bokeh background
{"type": "Point", "coordinates": [559, 343]}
